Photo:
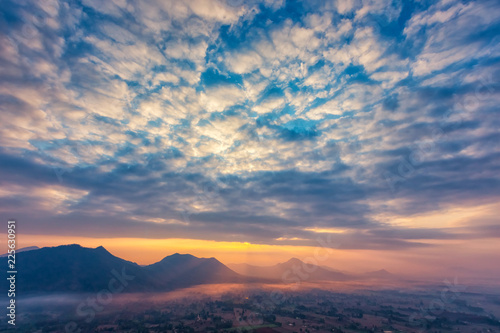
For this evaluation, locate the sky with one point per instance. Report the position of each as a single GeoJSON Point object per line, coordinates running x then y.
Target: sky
{"type": "Point", "coordinates": [255, 130]}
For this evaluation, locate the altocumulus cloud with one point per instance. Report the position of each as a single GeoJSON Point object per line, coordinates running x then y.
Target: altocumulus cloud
{"type": "Point", "coordinates": [263, 121]}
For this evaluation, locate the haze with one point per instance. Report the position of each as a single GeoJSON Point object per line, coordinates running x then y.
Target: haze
{"type": "Point", "coordinates": [255, 131]}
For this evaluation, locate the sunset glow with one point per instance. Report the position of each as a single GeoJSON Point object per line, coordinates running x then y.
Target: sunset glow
{"type": "Point", "coordinates": [256, 131]}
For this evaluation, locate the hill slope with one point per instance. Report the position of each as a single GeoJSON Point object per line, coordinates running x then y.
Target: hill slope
{"type": "Point", "coordinates": [24, 249]}
{"type": "Point", "coordinates": [288, 271]}
{"type": "Point", "coordinates": [183, 270]}
{"type": "Point", "coordinates": [73, 268]}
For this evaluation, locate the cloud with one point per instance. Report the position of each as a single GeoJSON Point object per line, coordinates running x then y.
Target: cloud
{"type": "Point", "coordinates": [244, 62]}
{"type": "Point", "coordinates": [265, 122]}
{"type": "Point", "coordinates": [449, 30]}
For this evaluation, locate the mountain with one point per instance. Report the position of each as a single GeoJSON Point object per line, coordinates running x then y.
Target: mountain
{"type": "Point", "coordinates": [285, 272]}
{"type": "Point", "coordinates": [334, 270]}
{"type": "Point", "coordinates": [380, 274]}
{"type": "Point", "coordinates": [289, 271]}
{"type": "Point", "coordinates": [184, 270]}
{"type": "Point", "coordinates": [73, 268]}
{"type": "Point", "coordinates": [24, 249]}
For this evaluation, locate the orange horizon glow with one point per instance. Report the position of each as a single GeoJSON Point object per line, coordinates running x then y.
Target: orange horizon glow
{"type": "Point", "coordinates": [411, 263]}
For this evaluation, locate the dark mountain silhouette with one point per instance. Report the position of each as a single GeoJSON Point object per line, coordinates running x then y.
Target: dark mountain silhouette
{"type": "Point", "coordinates": [289, 271]}
{"type": "Point", "coordinates": [184, 270]}
{"type": "Point", "coordinates": [73, 268]}
{"type": "Point", "coordinates": [24, 249]}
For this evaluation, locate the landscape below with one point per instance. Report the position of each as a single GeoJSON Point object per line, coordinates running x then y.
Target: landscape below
{"type": "Point", "coordinates": [75, 289]}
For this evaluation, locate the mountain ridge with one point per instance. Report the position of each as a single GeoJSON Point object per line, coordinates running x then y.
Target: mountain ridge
{"type": "Point", "coordinates": [74, 268]}
{"type": "Point", "coordinates": [24, 249]}
{"type": "Point", "coordinates": [317, 272]}
{"type": "Point", "coordinates": [293, 266]}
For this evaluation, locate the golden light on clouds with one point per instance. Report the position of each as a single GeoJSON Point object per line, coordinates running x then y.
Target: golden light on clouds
{"type": "Point", "coordinates": [53, 198]}
{"type": "Point", "coordinates": [435, 260]}
{"type": "Point", "coordinates": [147, 251]}
{"type": "Point", "coordinates": [326, 230]}
{"type": "Point", "coordinates": [448, 217]}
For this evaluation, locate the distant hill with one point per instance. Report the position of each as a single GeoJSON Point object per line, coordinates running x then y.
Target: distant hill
{"type": "Point", "coordinates": [24, 249]}
{"type": "Point", "coordinates": [380, 274]}
{"type": "Point", "coordinates": [285, 272]}
{"type": "Point", "coordinates": [73, 268]}
{"type": "Point", "coordinates": [184, 270]}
